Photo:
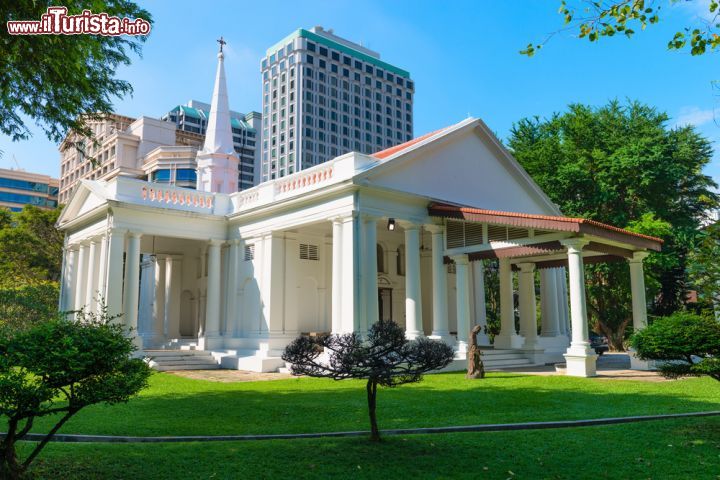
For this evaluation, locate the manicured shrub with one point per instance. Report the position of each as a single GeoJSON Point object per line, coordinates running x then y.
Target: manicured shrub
{"type": "Point", "coordinates": [386, 358]}
{"type": "Point", "coordinates": [683, 343]}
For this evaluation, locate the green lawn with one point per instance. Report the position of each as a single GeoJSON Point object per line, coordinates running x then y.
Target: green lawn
{"type": "Point", "coordinates": [675, 449]}
{"type": "Point", "coordinates": [179, 406]}
{"type": "Point", "coordinates": [686, 448]}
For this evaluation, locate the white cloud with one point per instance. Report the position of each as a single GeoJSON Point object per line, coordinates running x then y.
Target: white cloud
{"type": "Point", "coordinates": [694, 116]}
{"type": "Point", "coordinates": [698, 9]}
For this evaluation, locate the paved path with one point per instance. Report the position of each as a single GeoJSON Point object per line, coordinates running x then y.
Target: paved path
{"type": "Point", "coordinates": [610, 366]}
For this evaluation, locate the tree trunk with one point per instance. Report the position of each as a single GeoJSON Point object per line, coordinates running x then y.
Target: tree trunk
{"type": "Point", "coordinates": [616, 338]}
{"type": "Point", "coordinates": [372, 397]}
{"type": "Point", "coordinates": [9, 466]}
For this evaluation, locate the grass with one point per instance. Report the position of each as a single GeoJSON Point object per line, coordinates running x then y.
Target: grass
{"type": "Point", "coordinates": [179, 406]}
{"type": "Point", "coordinates": [682, 448]}
{"type": "Point", "coordinates": [677, 449]}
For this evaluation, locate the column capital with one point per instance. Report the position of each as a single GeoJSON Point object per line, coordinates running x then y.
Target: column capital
{"type": "Point", "coordinates": [408, 224]}
{"type": "Point", "coordinates": [574, 245]}
{"type": "Point", "coordinates": [368, 217]}
{"type": "Point", "coordinates": [460, 259]}
{"type": "Point", "coordinates": [343, 217]}
{"type": "Point", "coordinates": [235, 241]}
{"type": "Point", "coordinates": [639, 256]}
{"type": "Point", "coordinates": [215, 242]}
{"type": "Point", "coordinates": [116, 231]}
{"type": "Point", "coordinates": [135, 234]}
{"type": "Point", "coordinates": [526, 267]}
{"type": "Point", "coordinates": [434, 228]}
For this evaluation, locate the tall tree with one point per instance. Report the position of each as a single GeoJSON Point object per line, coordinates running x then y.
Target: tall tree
{"type": "Point", "coordinates": [593, 20]}
{"type": "Point", "coordinates": [621, 164]}
{"type": "Point", "coordinates": [30, 247]}
{"type": "Point", "coordinates": [57, 80]}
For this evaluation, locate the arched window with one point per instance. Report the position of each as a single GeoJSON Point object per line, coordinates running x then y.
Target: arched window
{"type": "Point", "coordinates": [380, 259]}
{"type": "Point", "coordinates": [401, 260]}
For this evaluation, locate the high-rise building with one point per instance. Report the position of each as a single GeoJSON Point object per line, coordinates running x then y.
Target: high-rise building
{"type": "Point", "coordinates": [324, 96]}
{"type": "Point", "coordinates": [193, 117]}
{"type": "Point", "coordinates": [155, 150]}
{"type": "Point", "coordinates": [145, 148]}
{"type": "Point", "coordinates": [19, 188]}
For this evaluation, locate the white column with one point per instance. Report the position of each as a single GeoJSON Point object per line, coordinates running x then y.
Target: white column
{"type": "Point", "coordinates": [580, 357]}
{"type": "Point", "coordinates": [173, 289]}
{"type": "Point", "coordinates": [81, 286]}
{"type": "Point", "coordinates": [440, 329]}
{"type": "Point", "coordinates": [462, 279]}
{"type": "Point", "coordinates": [212, 305]}
{"type": "Point", "coordinates": [637, 287]}
{"type": "Point", "coordinates": [350, 285]}
{"type": "Point", "coordinates": [478, 275]}
{"type": "Point", "coordinates": [508, 337]}
{"type": "Point", "coordinates": [639, 305]}
{"type": "Point", "coordinates": [102, 271]}
{"type": "Point", "coordinates": [146, 300]}
{"type": "Point", "coordinates": [69, 278]}
{"type": "Point", "coordinates": [231, 313]}
{"type": "Point", "coordinates": [132, 281]}
{"type": "Point", "coordinates": [563, 309]}
{"type": "Point", "coordinates": [114, 283]}
{"type": "Point", "coordinates": [272, 289]}
{"type": "Point", "coordinates": [370, 273]}
{"type": "Point", "coordinates": [549, 303]}
{"type": "Point", "coordinates": [91, 293]}
{"type": "Point", "coordinates": [158, 310]}
{"type": "Point", "coordinates": [527, 305]}
{"type": "Point", "coordinates": [413, 299]}
{"type": "Point", "coordinates": [336, 275]}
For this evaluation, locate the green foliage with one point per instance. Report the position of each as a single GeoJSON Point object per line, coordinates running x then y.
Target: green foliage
{"type": "Point", "coordinates": [607, 19]}
{"type": "Point", "coordinates": [688, 343]}
{"type": "Point", "coordinates": [60, 367]}
{"type": "Point", "coordinates": [57, 80]}
{"type": "Point", "coordinates": [703, 264]}
{"type": "Point", "coordinates": [26, 305]}
{"type": "Point", "coordinates": [30, 247]}
{"type": "Point", "coordinates": [620, 164]}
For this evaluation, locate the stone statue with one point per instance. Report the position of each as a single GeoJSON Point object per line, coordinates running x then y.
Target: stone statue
{"type": "Point", "coordinates": [475, 368]}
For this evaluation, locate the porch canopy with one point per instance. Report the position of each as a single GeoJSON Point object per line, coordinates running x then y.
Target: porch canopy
{"type": "Point", "coordinates": [526, 242]}
{"type": "Point", "coordinates": [484, 234]}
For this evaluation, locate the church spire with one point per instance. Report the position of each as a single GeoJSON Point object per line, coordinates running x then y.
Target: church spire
{"type": "Point", "coordinates": [218, 137]}
{"type": "Point", "coordinates": [217, 163]}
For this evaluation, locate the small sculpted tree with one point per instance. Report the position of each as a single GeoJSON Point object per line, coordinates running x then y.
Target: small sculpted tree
{"type": "Point", "coordinates": [684, 343]}
{"type": "Point", "coordinates": [58, 368]}
{"type": "Point", "coordinates": [385, 358]}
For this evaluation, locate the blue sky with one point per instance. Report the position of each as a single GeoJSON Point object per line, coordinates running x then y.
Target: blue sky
{"type": "Point", "coordinates": [463, 57]}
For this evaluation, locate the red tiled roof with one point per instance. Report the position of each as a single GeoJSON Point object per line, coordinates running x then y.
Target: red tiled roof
{"type": "Point", "coordinates": [393, 150]}
{"type": "Point", "coordinates": [580, 225]}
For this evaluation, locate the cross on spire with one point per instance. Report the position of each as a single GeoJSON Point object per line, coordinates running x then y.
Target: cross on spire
{"type": "Point", "coordinates": [222, 42]}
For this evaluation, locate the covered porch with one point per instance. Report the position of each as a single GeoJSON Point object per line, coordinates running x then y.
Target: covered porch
{"type": "Point", "coordinates": [557, 247]}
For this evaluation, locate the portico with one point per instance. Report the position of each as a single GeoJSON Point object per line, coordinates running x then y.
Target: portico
{"type": "Point", "coordinates": [336, 247]}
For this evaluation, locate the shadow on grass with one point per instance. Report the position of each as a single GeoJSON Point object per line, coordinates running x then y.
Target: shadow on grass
{"type": "Point", "coordinates": [178, 406]}
{"type": "Point", "coordinates": [598, 452]}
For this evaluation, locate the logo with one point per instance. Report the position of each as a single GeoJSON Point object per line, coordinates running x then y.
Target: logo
{"type": "Point", "coordinates": [57, 22]}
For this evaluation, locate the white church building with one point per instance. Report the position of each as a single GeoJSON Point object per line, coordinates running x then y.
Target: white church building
{"type": "Point", "coordinates": [397, 235]}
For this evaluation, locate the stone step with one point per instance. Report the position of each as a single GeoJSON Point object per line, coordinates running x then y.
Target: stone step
{"type": "Point", "coordinates": [506, 363]}
{"type": "Point", "coordinates": [174, 353]}
{"type": "Point", "coordinates": [181, 360]}
{"type": "Point", "coordinates": [169, 368]}
{"type": "Point", "coordinates": [501, 357]}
